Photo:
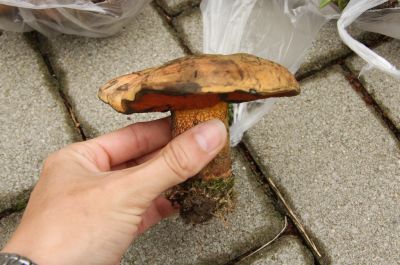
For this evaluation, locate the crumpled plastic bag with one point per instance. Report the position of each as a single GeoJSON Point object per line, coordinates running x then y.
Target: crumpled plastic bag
{"type": "Point", "coordinates": [282, 31]}
{"type": "Point", "coordinates": [91, 18]}
{"type": "Point", "coordinates": [384, 21]}
{"type": "Point", "coordinates": [278, 30]}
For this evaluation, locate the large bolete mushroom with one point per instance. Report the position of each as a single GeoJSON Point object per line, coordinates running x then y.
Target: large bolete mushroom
{"type": "Point", "coordinates": [196, 89]}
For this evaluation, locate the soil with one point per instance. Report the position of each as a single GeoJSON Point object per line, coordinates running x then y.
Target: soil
{"type": "Point", "coordinates": [199, 200]}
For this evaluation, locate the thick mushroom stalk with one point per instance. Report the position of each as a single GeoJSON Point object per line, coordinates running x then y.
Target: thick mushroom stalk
{"type": "Point", "coordinates": [196, 89]}
{"type": "Point", "coordinates": [211, 189]}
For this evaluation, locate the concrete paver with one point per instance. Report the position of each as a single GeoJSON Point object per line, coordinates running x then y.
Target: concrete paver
{"type": "Point", "coordinates": [173, 7]}
{"type": "Point", "coordinates": [383, 88]}
{"type": "Point", "coordinates": [7, 227]}
{"type": "Point", "coordinates": [190, 25]}
{"type": "Point", "coordinates": [34, 121]}
{"type": "Point", "coordinates": [338, 166]}
{"type": "Point", "coordinates": [85, 64]}
{"type": "Point", "coordinates": [286, 250]}
{"type": "Point", "coordinates": [327, 47]}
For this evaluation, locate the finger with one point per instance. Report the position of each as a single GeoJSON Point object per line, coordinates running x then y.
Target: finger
{"type": "Point", "coordinates": [182, 158]}
{"type": "Point", "coordinates": [137, 161]}
{"type": "Point", "coordinates": [128, 143]}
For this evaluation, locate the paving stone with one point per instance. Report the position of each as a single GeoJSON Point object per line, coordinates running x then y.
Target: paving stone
{"type": "Point", "coordinates": [383, 88]}
{"type": "Point", "coordinates": [327, 47]}
{"type": "Point", "coordinates": [338, 166]}
{"type": "Point", "coordinates": [173, 7]}
{"type": "Point", "coordinates": [254, 222]}
{"type": "Point", "coordinates": [84, 65]}
{"type": "Point", "coordinates": [33, 119]}
{"type": "Point", "coordinates": [7, 227]}
{"type": "Point", "coordinates": [190, 26]}
{"type": "Point", "coordinates": [286, 250]}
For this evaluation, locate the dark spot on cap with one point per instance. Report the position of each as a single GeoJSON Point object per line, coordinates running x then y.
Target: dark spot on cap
{"type": "Point", "coordinates": [124, 87]}
{"type": "Point", "coordinates": [183, 88]}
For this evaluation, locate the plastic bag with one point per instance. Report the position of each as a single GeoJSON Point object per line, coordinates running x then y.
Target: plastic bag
{"type": "Point", "coordinates": [384, 21]}
{"type": "Point", "coordinates": [282, 31]}
{"type": "Point", "coordinates": [278, 30]}
{"type": "Point", "coordinates": [91, 18]}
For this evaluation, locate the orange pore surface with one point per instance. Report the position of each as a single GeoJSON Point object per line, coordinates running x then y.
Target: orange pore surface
{"type": "Point", "coordinates": [152, 102]}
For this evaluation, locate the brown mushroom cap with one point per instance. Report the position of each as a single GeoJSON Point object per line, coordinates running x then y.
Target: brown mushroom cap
{"type": "Point", "coordinates": [200, 81]}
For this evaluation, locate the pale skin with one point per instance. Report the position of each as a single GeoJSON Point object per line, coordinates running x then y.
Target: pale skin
{"type": "Point", "coordinates": [94, 198]}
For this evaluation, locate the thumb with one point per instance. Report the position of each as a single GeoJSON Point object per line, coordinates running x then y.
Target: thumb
{"type": "Point", "coordinates": [181, 159]}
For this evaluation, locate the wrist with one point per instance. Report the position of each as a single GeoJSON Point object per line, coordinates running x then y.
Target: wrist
{"type": "Point", "coordinates": [12, 250]}
{"type": "Point", "coordinates": [14, 259]}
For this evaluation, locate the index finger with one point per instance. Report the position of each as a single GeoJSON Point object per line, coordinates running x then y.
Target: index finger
{"type": "Point", "coordinates": [130, 142]}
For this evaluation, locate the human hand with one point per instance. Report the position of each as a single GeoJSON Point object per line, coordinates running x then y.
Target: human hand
{"type": "Point", "coordinates": [94, 198]}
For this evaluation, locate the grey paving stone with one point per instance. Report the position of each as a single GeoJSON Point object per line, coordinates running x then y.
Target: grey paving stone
{"type": "Point", "coordinates": [190, 26]}
{"type": "Point", "coordinates": [286, 250]}
{"type": "Point", "coordinates": [254, 222]}
{"type": "Point", "coordinates": [85, 64]}
{"type": "Point", "coordinates": [327, 47]}
{"type": "Point", "coordinates": [338, 166]}
{"type": "Point", "coordinates": [173, 7]}
{"type": "Point", "coordinates": [7, 227]}
{"type": "Point", "coordinates": [383, 88]}
{"type": "Point", "coordinates": [33, 119]}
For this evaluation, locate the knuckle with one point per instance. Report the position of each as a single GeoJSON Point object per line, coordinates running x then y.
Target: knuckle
{"type": "Point", "coordinates": [51, 160]}
{"type": "Point", "coordinates": [140, 137]}
{"type": "Point", "coordinates": [178, 161]}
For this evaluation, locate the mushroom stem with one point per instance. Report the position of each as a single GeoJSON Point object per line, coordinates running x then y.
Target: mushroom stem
{"type": "Point", "coordinates": [207, 192]}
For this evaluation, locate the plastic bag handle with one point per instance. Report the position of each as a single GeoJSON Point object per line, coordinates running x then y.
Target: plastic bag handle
{"type": "Point", "coordinates": [353, 10]}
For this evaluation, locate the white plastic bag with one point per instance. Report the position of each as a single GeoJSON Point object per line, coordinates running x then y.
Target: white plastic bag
{"type": "Point", "coordinates": [278, 30]}
{"type": "Point", "coordinates": [384, 21]}
{"type": "Point", "coordinates": [282, 31]}
{"type": "Point", "coordinates": [91, 18]}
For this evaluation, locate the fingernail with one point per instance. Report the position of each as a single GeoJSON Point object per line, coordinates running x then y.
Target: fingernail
{"type": "Point", "coordinates": [210, 134]}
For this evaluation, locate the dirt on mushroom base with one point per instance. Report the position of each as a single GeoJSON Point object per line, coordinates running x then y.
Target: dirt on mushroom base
{"type": "Point", "coordinates": [200, 200]}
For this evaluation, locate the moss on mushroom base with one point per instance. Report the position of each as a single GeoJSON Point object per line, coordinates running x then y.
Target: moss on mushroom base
{"type": "Point", "coordinates": [200, 199]}
{"type": "Point", "coordinates": [210, 191]}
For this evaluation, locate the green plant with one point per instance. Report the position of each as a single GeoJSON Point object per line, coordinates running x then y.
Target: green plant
{"type": "Point", "coordinates": [340, 3]}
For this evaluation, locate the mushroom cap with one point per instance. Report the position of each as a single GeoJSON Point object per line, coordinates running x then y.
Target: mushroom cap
{"type": "Point", "coordinates": [199, 81]}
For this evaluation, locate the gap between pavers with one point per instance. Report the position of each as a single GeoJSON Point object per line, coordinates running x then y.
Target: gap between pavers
{"type": "Point", "coordinates": [286, 250]}
{"type": "Point", "coordinates": [254, 222]}
{"type": "Point", "coordinates": [174, 7]}
{"type": "Point", "coordinates": [34, 121]}
{"type": "Point", "coordinates": [384, 88]}
{"type": "Point", "coordinates": [339, 167]}
{"type": "Point", "coordinates": [83, 65]}
{"type": "Point", "coordinates": [327, 47]}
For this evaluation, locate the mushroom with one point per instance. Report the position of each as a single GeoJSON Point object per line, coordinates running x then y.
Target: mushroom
{"type": "Point", "coordinates": [196, 89]}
